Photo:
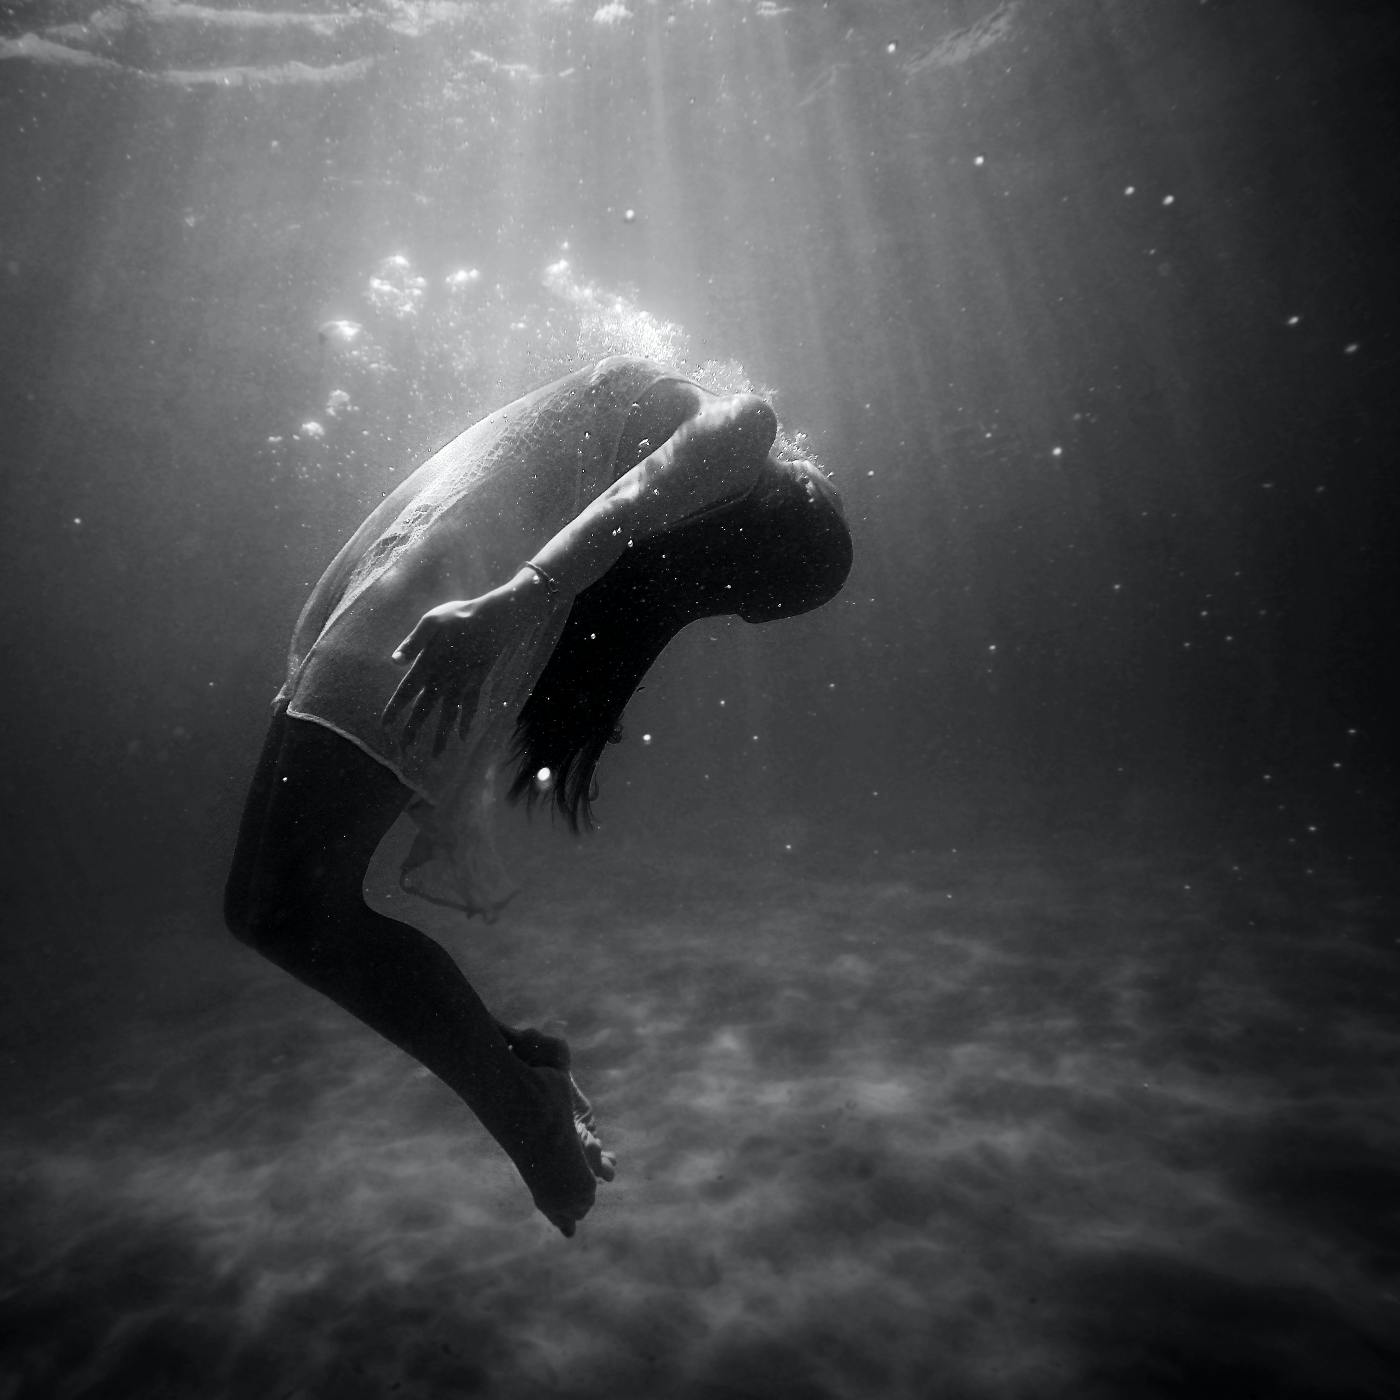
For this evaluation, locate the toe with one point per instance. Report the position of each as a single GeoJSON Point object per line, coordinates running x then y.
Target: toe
{"type": "Point", "coordinates": [602, 1164]}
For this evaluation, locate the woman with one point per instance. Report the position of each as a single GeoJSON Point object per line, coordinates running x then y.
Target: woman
{"type": "Point", "coordinates": [505, 601]}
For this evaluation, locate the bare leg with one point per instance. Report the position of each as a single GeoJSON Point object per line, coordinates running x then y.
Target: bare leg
{"type": "Point", "coordinates": [317, 809]}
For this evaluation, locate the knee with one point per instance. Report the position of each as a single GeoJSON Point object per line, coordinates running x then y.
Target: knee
{"type": "Point", "coordinates": [293, 920]}
{"type": "Point", "coordinates": [237, 914]}
{"type": "Point", "coordinates": [252, 927]}
{"type": "Point", "coordinates": [258, 923]}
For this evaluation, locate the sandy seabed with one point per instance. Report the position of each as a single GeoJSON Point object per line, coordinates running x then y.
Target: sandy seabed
{"type": "Point", "coordinates": [1028, 1121]}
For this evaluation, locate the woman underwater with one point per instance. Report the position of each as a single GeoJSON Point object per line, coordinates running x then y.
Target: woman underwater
{"type": "Point", "coordinates": [501, 605]}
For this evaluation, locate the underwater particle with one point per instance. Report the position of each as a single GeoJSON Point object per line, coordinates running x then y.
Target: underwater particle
{"type": "Point", "coordinates": [892, 47]}
{"type": "Point", "coordinates": [338, 401]}
{"type": "Point", "coordinates": [1352, 348]}
{"type": "Point", "coordinates": [1168, 199]}
{"type": "Point", "coordinates": [1293, 321]}
{"type": "Point", "coordinates": [311, 429]}
{"type": "Point", "coordinates": [979, 160]}
{"type": "Point", "coordinates": [629, 216]}
{"type": "Point", "coordinates": [544, 778]}
{"type": "Point", "coordinates": [611, 13]}
{"type": "Point", "coordinates": [1130, 190]}
{"type": "Point", "coordinates": [1057, 451]}
{"type": "Point", "coordinates": [646, 738]}
{"type": "Point", "coordinates": [463, 277]}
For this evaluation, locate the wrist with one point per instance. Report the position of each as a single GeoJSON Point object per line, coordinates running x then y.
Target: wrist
{"type": "Point", "coordinates": [536, 582]}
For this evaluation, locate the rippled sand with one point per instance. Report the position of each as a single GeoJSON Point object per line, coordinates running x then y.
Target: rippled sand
{"type": "Point", "coordinates": [1029, 1122]}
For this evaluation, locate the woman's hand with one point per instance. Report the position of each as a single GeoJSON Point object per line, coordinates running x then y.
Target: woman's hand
{"type": "Point", "coordinates": [450, 653]}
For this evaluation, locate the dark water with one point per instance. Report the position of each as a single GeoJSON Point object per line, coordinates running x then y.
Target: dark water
{"type": "Point", "coordinates": [989, 983]}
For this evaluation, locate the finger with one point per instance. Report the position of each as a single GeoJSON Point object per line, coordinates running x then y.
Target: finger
{"type": "Point", "coordinates": [415, 685]}
{"type": "Point", "coordinates": [467, 710]}
{"type": "Point", "coordinates": [418, 715]}
{"type": "Point", "coordinates": [447, 721]}
{"type": "Point", "coordinates": [408, 649]}
{"type": "Point", "coordinates": [403, 693]}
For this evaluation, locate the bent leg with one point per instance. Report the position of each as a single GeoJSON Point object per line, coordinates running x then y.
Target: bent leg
{"type": "Point", "coordinates": [317, 810]}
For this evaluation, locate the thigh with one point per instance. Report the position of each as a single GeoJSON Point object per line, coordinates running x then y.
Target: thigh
{"type": "Point", "coordinates": [317, 808]}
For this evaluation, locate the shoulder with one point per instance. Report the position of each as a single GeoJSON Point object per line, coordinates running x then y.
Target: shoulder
{"type": "Point", "coordinates": [629, 377]}
{"type": "Point", "coordinates": [612, 366]}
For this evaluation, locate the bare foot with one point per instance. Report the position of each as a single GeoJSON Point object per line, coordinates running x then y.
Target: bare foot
{"type": "Point", "coordinates": [554, 1160]}
{"type": "Point", "coordinates": [559, 1191]}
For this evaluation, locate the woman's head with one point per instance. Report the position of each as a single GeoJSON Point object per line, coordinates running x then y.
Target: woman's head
{"type": "Point", "coordinates": [790, 548]}
{"type": "Point", "coordinates": [780, 550]}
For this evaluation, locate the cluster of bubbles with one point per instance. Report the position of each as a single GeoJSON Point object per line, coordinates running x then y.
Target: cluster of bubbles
{"type": "Point", "coordinates": [396, 289]}
{"type": "Point", "coordinates": [611, 323]}
{"type": "Point", "coordinates": [429, 356]}
{"type": "Point", "coordinates": [350, 359]}
{"type": "Point", "coordinates": [612, 13]}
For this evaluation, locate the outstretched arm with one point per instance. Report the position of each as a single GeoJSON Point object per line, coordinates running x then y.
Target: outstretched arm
{"type": "Point", "coordinates": [715, 456]}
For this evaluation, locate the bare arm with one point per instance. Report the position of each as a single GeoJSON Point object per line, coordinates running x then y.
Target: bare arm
{"type": "Point", "coordinates": [715, 456]}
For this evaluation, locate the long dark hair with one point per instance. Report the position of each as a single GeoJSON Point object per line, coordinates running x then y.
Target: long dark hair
{"type": "Point", "coordinates": [782, 549]}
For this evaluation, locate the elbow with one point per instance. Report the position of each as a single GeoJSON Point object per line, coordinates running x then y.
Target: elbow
{"type": "Point", "coordinates": [740, 442]}
{"type": "Point", "coordinates": [754, 423]}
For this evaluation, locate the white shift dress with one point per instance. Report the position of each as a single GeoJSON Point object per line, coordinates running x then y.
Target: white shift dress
{"type": "Point", "coordinates": [462, 524]}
